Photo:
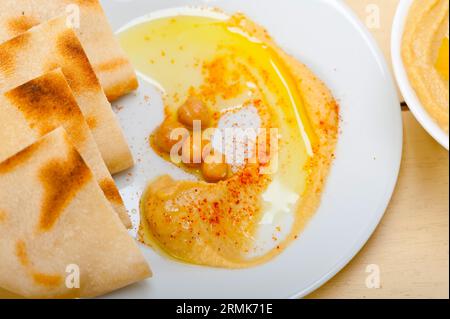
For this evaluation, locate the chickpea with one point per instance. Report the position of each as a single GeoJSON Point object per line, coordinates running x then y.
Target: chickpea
{"type": "Point", "coordinates": [214, 168]}
{"type": "Point", "coordinates": [162, 135]}
{"type": "Point", "coordinates": [192, 152]}
{"type": "Point", "coordinates": [194, 109]}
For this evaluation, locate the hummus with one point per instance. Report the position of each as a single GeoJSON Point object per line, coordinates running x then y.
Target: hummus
{"type": "Point", "coordinates": [425, 54]}
{"type": "Point", "coordinates": [233, 67]}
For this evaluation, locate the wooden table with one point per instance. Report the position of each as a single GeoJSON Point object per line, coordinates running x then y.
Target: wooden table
{"type": "Point", "coordinates": [410, 247]}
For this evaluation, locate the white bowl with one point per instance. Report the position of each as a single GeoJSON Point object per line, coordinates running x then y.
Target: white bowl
{"type": "Point", "coordinates": [411, 98]}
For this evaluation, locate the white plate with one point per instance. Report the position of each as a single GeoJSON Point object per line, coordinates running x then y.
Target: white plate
{"type": "Point", "coordinates": [328, 37]}
{"type": "Point", "coordinates": [411, 98]}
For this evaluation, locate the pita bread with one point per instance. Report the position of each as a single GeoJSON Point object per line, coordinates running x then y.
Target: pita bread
{"type": "Point", "coordinates": [55, 222]}
{"type": "Point", "coordinates": [40, 106]}
{"type": "Point", "coordinates": [53, 45]}
{"type": "Point", "coordinates": [109, 61]}
{"type": "Point", "coordinates": [4, 294]}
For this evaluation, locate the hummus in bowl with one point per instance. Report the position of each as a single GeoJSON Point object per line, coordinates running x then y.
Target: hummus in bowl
{"type": "Point", "coordinates": [420, 48]}
{"type": "Point", "coordinates": [425, 54]}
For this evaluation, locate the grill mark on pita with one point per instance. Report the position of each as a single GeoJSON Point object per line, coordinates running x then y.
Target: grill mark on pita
{"type": "Point", "coordinates": [21, 253]}
{"type": "Point", "coordinates": [47, 280]}
{"type": "Point", "coordinates": [110, 190]}
{"type": "Point", "coordinates": [77, 69]}
{"type": "Point", "coordinates": [46, 102]}
{"type": "Point", "coordinates": [62, 180]}
{"type": "Point", "coordinates": [21, 24]}
{"type": "Point", "coordinates": [112, 65]}
{"type": "Point", "coordinates": [20, 158]}
{"type": "Point", "coordinates": [8, 53]}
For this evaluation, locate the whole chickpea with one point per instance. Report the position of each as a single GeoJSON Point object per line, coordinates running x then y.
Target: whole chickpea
{"type": "Point", "coordinates": [194, 109]}
{"type": "Point", "coordinates": [163, 133]}
{"type": "Point", "coordinates": [192, 152]}
{"type": "Point", "coordinates": [215, 168]}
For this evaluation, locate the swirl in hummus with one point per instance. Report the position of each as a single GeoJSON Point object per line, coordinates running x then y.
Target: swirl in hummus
{"type": "Point", "coordinates": [425, 52]}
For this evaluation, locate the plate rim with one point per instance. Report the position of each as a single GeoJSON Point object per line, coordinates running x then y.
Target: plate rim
{"type": "Point", "coordinates": [345, 9]}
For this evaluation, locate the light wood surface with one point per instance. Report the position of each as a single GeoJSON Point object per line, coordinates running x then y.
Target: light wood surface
{"type": "Point", "coordinates": [378, 16]}
{"type": "Point", "coordinates": [411, 245]}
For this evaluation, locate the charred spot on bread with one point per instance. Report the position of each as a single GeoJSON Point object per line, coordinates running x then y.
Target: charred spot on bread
{"type": "Point", "coordinates": [21, 253]}
{"type": "Point", "coordinates": [46, 102]}
{"type": "Point", "coordinates": [41, 279]}
{"type": "Point", "coordinates": [3, 216]}
{"type": "Point", "coordinates": [8, 53]}
{"type": "Point", "coordinates": [21, 24]}
{"type": "Point", "coordinates": [115, 91]}
{"type": "Point", "coordinates": [110, 190]}
{"type": "Point", "coordinates": [92, 122]}
{"type": "Point", "coordinates": [19, 158]}
{"type": "Point", "coordinates": [77, 67]}
{"type": "Point", "coordinates": [61, 179]}
{"type": "Point", "coordinates": [46, 280]}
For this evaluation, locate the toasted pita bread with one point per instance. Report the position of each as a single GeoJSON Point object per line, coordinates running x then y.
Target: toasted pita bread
{"type": "Point", "coordinates": [109, 61]}
{"type": "Point", "coordinates": [38, 107]}
{"type": "Point", "coordinates": [4, 294]}
{"type": "Point", "coordinates": [56, 222]}
{"type": "Point", "coordinates": [53, 45]}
